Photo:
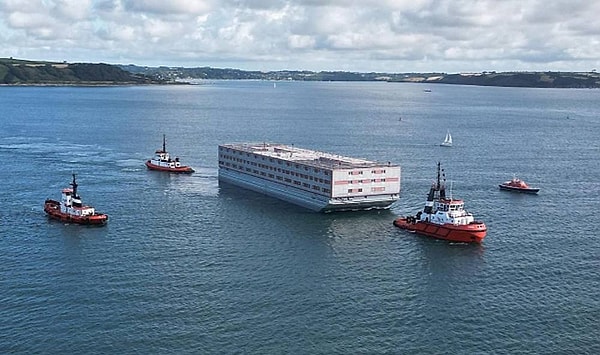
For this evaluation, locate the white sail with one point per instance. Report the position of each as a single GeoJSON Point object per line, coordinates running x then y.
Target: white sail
{"type": "Point", "coordinates": [448, 140]}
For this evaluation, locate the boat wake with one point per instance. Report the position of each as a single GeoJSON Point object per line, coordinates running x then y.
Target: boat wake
{"type": "Point", "coordinates": [131, 170]}
{"type": "Point", "coordinates": [66, 152]}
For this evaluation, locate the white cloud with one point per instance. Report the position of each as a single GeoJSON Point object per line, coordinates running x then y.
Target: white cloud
{"type": "Point", "coordinates": [73, 9]}
{"type": "Point", "coordinates": [358, 35]}
{"type": "Point", "coordinates": [27, 20]}
{"type": "Point", "coordinates": [165, 7]}
{"type": "Point", "coordinates": [298, 42]}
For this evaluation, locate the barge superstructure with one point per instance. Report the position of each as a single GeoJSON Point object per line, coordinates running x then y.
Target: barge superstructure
{"type": "Point", "coordinates": [316, 180]}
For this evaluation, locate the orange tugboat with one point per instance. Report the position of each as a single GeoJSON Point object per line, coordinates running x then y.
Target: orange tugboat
{"type": "Point", "coordinates": [71, 210]}
{"type": "Point", "coordinates": [518, 185]}
{"type": "Point", "coordinates": [162, 162]}
{"type": "Point", "coordinates": [444, 218]}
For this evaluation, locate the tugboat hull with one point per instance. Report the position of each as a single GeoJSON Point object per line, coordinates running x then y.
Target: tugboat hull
{"type": "Point", "coordinates": [52, 209]}
{"type": "Point", "coordinates": [469, 233]}
{"type": "Point", "coordinates": [179, 170]}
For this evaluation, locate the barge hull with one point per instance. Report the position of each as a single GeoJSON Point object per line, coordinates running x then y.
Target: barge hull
{"type": "Point", "coordinates": [314, 202]}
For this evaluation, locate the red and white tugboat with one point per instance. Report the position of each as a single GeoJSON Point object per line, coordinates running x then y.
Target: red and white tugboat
{"type": "Point", "coordinates": [71, 210]}
{"type": "Point", "coordinates": [444, 218]}
{"type": "Point", "coordinates": [163, 162]}
{"type": "Point", "coordinates": [518, 185]}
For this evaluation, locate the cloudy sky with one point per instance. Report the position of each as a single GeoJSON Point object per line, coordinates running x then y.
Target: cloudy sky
{"type": "Point", "coordinates": [350, 35]}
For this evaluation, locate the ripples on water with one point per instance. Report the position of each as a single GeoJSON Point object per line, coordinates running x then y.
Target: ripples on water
{"type": "Point", "coordinates": [188, 266]}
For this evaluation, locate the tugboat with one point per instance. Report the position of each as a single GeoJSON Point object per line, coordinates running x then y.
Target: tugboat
{"type": "Point", "coordinates": [444, 218]}
{"type": "Point", "coordinates": [70, 209]}
{"type": "Point", "coordinates": [518, 185]}
{"type": "Point", "coordinates": [163, 162]}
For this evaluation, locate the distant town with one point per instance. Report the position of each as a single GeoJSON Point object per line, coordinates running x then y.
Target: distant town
{"type": "Point", "coordinates": [27, 72]}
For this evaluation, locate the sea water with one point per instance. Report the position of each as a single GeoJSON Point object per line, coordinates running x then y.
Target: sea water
{"type": "Point", "coordinates": [187, 266]}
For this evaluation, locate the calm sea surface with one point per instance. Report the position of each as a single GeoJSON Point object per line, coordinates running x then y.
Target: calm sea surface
{"type": "Point", "coordinates": [186, 266]}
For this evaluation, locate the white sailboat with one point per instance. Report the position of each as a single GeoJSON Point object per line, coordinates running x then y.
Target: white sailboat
{"type": "Point", "coordinates": [447, 141]}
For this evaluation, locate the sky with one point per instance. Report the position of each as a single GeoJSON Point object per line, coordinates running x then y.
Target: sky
{"type": "Point", "coordinates": [393, 36]}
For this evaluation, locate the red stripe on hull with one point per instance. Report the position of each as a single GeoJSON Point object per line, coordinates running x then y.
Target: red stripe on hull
{"type": "Point", "coordinates": [52, 209]}
{"type": "Point", "coordinates": [470, 233]}
{"type": "Point", "coordinates": [181, 170]}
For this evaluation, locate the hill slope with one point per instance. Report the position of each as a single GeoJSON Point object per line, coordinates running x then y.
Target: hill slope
{"type": "Point", "coordinates": [509, 79]}
{"type": "Point", "coordinates": [525, 79]}
{"type": "Point", "coordinates": [22, 72]}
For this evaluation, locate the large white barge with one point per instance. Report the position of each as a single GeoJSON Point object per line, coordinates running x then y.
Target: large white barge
{"type": "Point", "coordinates": [316, 180]}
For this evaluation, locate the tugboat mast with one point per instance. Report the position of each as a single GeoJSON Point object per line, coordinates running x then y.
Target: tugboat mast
{"type": "Point", "coordinates": [437, 191]}
{"type": "Point", "coordinates": [164, 143]}
{"type": "Point", "coordinates": [442, 185]}
{"type": "Point", "coordinates": [74, 184]}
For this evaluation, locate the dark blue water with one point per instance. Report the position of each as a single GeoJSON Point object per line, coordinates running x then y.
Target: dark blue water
{"type": "Point", "coordinates": [186, 266]}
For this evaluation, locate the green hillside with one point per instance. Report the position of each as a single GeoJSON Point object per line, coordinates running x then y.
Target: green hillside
{"type": "Point", "coordinates": [23, 72]}
{"type": "Point", "coordinates": [526, 79]}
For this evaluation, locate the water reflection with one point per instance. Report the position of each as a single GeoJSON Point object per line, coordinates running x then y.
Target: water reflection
{"type": "Point", "coordinates": [334, 226]}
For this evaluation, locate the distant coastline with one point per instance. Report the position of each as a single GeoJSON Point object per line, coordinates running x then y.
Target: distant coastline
{"type": "Point", "coordinates": [18, 72]}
